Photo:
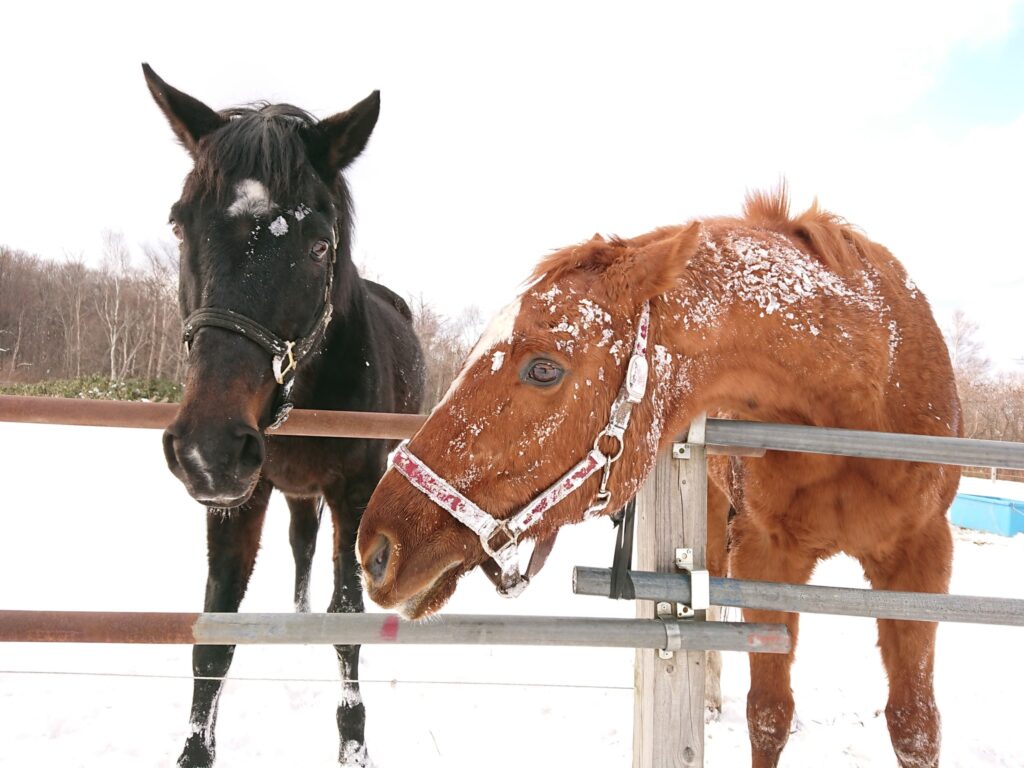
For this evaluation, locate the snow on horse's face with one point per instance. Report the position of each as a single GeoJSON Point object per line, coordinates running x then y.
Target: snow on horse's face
{"type": "Point", "coordinates": [527, 406]}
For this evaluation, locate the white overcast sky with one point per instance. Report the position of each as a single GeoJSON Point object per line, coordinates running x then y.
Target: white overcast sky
{"type": "Point", "coordinates": [510, 129]}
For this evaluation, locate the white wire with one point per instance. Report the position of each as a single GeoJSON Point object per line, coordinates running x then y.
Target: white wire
{"type": "Point", "coordinates": [333, 681]}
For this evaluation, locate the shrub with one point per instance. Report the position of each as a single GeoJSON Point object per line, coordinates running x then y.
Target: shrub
{"type": "Point", "coordinates": [100, 388]}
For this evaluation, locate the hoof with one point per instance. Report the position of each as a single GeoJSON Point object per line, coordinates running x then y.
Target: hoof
{"type": "Point", "coordinates": [198, 753]}
{"type": "Point", "coordinates": [353, 754]}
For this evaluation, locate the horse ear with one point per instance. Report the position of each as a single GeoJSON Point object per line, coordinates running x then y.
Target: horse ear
{"type": "Point", "coordinates": [338, 140]}
{"type": "Point", "coordinates": [654, 267]}
{"type": "Point", "coordinates": [190, 119]}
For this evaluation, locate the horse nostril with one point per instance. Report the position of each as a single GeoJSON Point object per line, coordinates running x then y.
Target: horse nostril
{"type": "Point", "coordinates": [377, 563]}
{"type": "Point", "coordinates": [250, 456]}
{"type": "Point", "coordinates": [169, 452]}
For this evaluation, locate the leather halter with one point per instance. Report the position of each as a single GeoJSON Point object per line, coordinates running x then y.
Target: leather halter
{"type": "Point", "coordinates": [500, 538]}
{"type": "Point", "coordinates": [285, 354]}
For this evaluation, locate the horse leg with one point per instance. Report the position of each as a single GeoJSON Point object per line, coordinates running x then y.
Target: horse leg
{"type": "Point", "coordinates": [757, 554]}
{"type": "Point", "coordinates": [233, 538]}
{"type": "Point", "coordinates": [346, 509]}
{"type": "Point", "coordinates": [302, 531]}
{"type": "Point", "coordinates": [922, 564]}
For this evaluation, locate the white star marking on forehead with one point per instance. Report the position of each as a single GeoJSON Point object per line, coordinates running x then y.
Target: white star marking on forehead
{"type": "Point", "coordinates": [253, 199]}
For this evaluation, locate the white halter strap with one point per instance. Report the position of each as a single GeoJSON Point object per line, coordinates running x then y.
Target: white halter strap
{"type": "Point", "coordinates": [505, 553]}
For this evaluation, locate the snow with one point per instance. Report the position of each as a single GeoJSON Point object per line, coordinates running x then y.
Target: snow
{"type": "Point", "coordinates": [115, 531]}
{"type": "Point", "coordinates": [497, 360]}
{"type": "Point", "coordinates": [279, 227]}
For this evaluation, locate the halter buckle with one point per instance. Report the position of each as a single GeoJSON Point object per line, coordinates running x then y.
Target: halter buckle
{"type": "Point", "coordinates": [500, 553]}
{"type": "Point", "coordinates": [279, 372]}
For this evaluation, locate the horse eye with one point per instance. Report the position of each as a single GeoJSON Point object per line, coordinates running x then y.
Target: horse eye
{"type": "Point", "coordinates": [544, 373]}
{"type": "Point", "coordinates": [320, 249]}
{"type": "Point", "coordinates": [178, 233]}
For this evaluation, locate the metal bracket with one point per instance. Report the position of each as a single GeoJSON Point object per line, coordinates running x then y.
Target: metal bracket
{"type": "Point", "coordinates": [673, 637]}
{"type": "Point", "coordinates": [700, 583]}
{"type": "Point", "coordinates": [680, 450]}
{"type": "Point", "coordinates": [684, 558]}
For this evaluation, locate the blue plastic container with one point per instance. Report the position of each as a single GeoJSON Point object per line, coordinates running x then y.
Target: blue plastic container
{"type": "Point", "coordinates": [988, 513]}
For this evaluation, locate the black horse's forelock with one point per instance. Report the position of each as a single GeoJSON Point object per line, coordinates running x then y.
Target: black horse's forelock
{"type": "Point", "coordinates": [262, 141]}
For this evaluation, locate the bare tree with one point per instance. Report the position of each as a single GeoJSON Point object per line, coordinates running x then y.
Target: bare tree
{"type": "Point", "coordinates": [446, 343]}
{"type": "Point", "coordinates": [71, 282]}
{"type": "Point", "coordinates": [161, 281]}
{"type": "Point", "coordinates": [965, 349]}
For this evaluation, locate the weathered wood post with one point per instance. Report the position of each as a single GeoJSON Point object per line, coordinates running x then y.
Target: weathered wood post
{"type": "Point", "coordinates": [668, 724]}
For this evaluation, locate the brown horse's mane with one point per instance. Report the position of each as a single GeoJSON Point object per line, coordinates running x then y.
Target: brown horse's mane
{"type": "Point", "coordinates": [831, 239]}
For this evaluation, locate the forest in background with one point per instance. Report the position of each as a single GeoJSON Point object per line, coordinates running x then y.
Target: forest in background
{"type": "Point", "coordinates": [114, 331]}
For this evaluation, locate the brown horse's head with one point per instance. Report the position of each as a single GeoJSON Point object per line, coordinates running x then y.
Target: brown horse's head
{"type": "Point", "coordinates": [527, 406]}
{"type": "Point", "coordinates": [264, 225]}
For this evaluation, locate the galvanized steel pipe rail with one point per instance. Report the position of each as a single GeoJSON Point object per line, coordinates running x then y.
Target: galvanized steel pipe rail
{"type": "Point", "coordinates": [387, 629]}
{"type": "Point", "coordinates": [808, 598]}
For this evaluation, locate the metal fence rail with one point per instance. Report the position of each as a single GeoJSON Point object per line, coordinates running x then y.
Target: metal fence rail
{"type": "Point", "coordinates": [388, 629]}
{"type": "Point", "coordinates": [807, 598]}
{"type": "Point", "coordinates": [864, 444]}
{"type": "Point", "coordinates": [723, 435]}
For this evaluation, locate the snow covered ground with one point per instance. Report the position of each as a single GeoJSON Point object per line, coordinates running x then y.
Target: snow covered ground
{"type": "Point", "coordinates": [91, 520]}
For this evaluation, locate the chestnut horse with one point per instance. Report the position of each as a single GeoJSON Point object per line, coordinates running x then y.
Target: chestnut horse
{"type": "Point", "coordinates": [276, 314]}
{"type": "Point", "coordinates": [768, 317]}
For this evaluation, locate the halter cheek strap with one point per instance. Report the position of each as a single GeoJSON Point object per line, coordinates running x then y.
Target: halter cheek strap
{"type": "Point", "coordinates": [285, 354]}
{"type": "Point", "coordinates": [500, 538]}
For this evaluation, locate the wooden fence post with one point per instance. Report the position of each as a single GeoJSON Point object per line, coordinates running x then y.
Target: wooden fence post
{"type": "Point", "coordinates": [668, 715]}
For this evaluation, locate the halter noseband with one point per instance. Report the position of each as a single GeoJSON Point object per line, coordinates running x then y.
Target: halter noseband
{"type": "Point", "coordinates": [285, 355]}
{"type": "Point", "coordinates": [500, 538]}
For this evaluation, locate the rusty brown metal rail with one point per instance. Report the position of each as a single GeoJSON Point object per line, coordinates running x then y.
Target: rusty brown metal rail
{"type": "Point", "coordinates": [113, 413]}
{"type": "Point", "coordinates": [305, 423]}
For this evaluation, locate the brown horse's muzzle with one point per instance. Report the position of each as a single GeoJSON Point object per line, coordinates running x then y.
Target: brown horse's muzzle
{"type": "Point", "coordinates": [412, 554]}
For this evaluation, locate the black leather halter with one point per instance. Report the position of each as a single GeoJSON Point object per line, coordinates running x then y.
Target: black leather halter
{"type": "Point", "coordinates": [285, 355]}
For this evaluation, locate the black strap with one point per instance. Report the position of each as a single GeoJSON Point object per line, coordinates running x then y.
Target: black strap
{"type": "Point", "coordinates": [622, 558]}
{"type": "Point", "coordinates": [235, 322]}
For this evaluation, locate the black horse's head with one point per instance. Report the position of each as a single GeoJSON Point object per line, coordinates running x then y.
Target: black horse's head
{"type": "Point", "coordinates": [264, 224]}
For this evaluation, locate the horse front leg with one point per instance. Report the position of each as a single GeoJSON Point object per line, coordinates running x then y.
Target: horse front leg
{"type": "Point", "coordinates": [770, 706]}
{"type": "Point", "coordinates": [346, 509]}
{"type": "Point", "coordinates": [233, 538]}
{"type": "Point", "coordinates": [302, 532]}
{"type": "Point", "coordinates": [922, 564]}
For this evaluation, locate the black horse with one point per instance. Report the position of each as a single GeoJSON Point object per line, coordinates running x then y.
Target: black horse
{"type": "Point", "coordinates": [276, 314]}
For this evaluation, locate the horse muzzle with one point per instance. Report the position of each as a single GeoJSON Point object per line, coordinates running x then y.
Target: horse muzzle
{"type": "Point", "coordinates": [218, 466]}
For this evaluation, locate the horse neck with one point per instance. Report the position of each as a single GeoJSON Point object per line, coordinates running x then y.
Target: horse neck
{"type": "Point", "coordinates": [745, 362]}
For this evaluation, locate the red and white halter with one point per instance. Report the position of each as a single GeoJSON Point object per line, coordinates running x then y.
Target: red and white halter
{"type": "Point", "coordinates": [505, 551]}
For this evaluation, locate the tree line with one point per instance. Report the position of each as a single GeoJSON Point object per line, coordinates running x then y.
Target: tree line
{"type": "Point", "coordinates": [95, 328]}
{"type": "Point", "coordinates": [67, 320]}
{"type": "Point", "coordinates": [120, 321]}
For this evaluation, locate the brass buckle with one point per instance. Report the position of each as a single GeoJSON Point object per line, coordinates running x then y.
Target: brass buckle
{"type": "Point", "coordinates": [279, 372]}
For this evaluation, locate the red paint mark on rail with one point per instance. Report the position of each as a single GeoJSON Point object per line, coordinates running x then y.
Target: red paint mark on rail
{"type": "Point", "coordinates": [389, 629]}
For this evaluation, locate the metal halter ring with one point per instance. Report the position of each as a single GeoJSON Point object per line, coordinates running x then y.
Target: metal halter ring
{"type": "Point", "coordinates": [618, 438]}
